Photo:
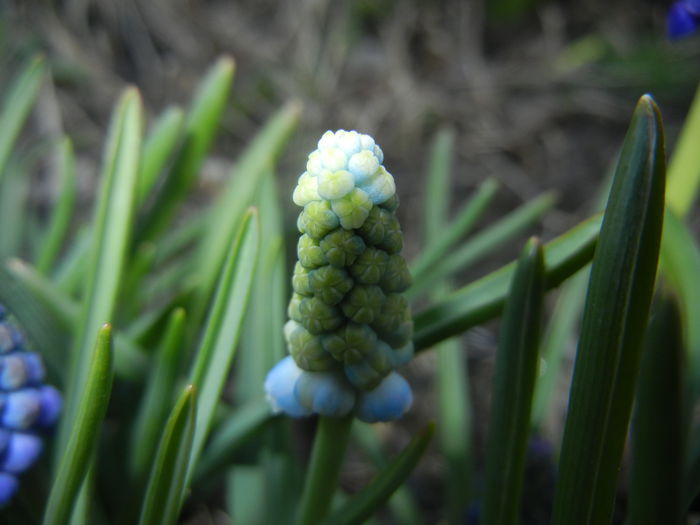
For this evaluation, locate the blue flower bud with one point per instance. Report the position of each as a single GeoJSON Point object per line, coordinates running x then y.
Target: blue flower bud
{"type": "Point", "coordinates": [51, 404]}
{"type": "Point", "coordinates": [279, 388]}
{"type": "Point", "coordinates": [324, 393]}
{"type": "Point", "coordinates": [8, 487]}
{"type": "Point", "coordinates": [387, 402]}
{"type": "Point", "coordinates": [683, 19]}
{"type": "Point", "coordinates": [22, 408]}
{"type": "Point", "coordinates": [22, 451]}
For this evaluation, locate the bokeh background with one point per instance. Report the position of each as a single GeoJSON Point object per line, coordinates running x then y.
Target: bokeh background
{"type": "Point", "coordinates": [538, 94]}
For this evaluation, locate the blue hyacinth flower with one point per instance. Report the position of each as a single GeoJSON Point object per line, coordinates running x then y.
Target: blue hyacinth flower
{"type": "Point", "coordinates": [28, 407]}
{"type": "Point", "coordinates": [387, 402]}
{"type": "Point", "coordinates": [683, 19]}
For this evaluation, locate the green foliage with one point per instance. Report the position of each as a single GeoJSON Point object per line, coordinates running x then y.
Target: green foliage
{"type": "Point", "coordinates": [144, 312]}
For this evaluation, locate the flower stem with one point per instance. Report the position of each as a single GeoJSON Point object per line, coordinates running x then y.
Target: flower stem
{"type": "Point", "coordinates": [326, 460]}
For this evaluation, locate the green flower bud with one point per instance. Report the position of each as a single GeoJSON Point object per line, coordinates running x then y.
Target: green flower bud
{"type": "Point", "coordinates": [369, 266]}
{"type": "Point", "coordinates": [350, 343]}
{"type": "Point", "coordinates": [393, 238]}
{"type": "Point", "coordinates": [364, 303]}
{"type": "Point", "coordinates": [330, 284]}
{"type": "Point", "coordinates": [306, 348]}
{"type": "Point", "coordinates": [353, 209]}
{"type": "Point", "coordinates": [341, 247]}
{"type": "Point", "coordinates": [293, 310]}
{"type": "Point", "coordinates": [300, 280]}
{"type": "Point", "coordinates": [394, 312]}
{"type": "Point", "coordinates": [396, 277]}
{"type": "Point", "coordinates": [318, 219]}
{"type": "Point", "coordinates": [372, 230]}
{"type": "Point", "coordinates": [310, 253]}
{"type": "Point", "coordinates": [319, 317]}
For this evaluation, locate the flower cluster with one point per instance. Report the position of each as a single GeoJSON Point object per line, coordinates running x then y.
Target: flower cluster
{"type": "Point", "coordinates": [27, 407]}
{"type": "Point", "coordinates": [350, 326]}
{"type": "Point", "coordinates": [683, 18]}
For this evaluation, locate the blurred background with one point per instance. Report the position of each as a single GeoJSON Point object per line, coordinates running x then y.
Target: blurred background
{"type": "Point", "coordinates": [538, 95]}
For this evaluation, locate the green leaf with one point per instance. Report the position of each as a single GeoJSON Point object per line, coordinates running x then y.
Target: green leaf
{"type": "Point", "coordinates": [256, 161]}
{"type": "Point", "coordinates": [566, 315]}
{"type": "Point", "coordinates": [402, 503]}
{"type": "Point", "coordinates": [110, 242]}
{"type": "Point", "coordinates": [201, 125]}
{"type": "Point", "coordinates": [514, 382]}
{"type": "Point", "coordinates": [82, 440]}
{"type": "Point", "coordinates": [238, 427]}
{"type": "Point", "coordinates": [439, 245]}
{"type": "Point", "coordinates": [47, 334]}
{"type": "Point", "coordinates": [223, 328]}
{"type": "Point", "coordinates": [14, 194]}
{"type": "Point", "coordinates": [658, 434]}
{"type": "Point", "coordinates": [16, 106]}
{"type": "Point", "coordinates": [437, 191]}
{"type": "Point", "coordinates": [157, 398]}
{"type": "Point", "coordinates": [614, 320]}
{"type": "Point", "coordinates": [363, 504]}
{"type": "Point", "coordinates": [167, 483]}
{"type": "Point", "coordinates": [483, 299]}
{"type": "Point", "coordinates": [452, 379]}
{"type": "Point", "coordinates": [684, 168]}
{"type": "Point", "coordinates": [59, 221]}
{"type": "Point", "coordinates": [680, 263]}
{"type": "Point", "coordinates": [489, 239]}
{"type": "Point", "coordinates": [158, 148]}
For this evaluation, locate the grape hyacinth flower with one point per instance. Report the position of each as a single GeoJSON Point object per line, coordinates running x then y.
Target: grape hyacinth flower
{"type": "Point", "coordinates": [683, 18]}
{"type": "Point", "coordinates": [350, 326]}
{"type": "Point", "coordinates": [27, 407]}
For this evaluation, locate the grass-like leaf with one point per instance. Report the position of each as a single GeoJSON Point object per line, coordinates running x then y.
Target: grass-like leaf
{"type": "Point", "coordinates": [200, 128]}
{"type": "Point", "coordinates": [514, 382]}
{"type": "Point", "coordinates": [363, 504]}
{"type": "Point", "coordinates": [402, 504]}
{"type": "Point", "coordinates": [437, 246]}
{"type": "Point", "coordinates": [82, 440]}
{"type": "Point", "coordinates": [245, 178]}
{"type": "Point", "coordinates": [658, 431]}
{"type": "Point", "coordinates": [483, 299]}
{"type": "Point", "coordinates": [59, 221]}
{"type": "Point", "coordinates": [167, 482]}
{"type": "Point", "coordinates": [158, 147]}
{"type": "Point", "coordinates": [452, 379]}
{"type": "Point", "coordinates": [17, 104]}
{"type": "Point", "coordinates": [157, 398]}
{"type": "Point", "coordinates": [684, 167]}
{"type": "Point", "coordinates": [680, 263]}
{"type": "Point", "coordinates": [236, 429]}
{"type": "Point", "coordinates": [48, 334]}
{"type": "Point", "coordinates": [496, 235]}
{"type": "Point", "coordinates": [223, 328]}
{"type": "Point", "coordinates": [560, 329]}
{"type": "Point", "coordinates": [110, 242]}
{"type": "Point", "coordinates": [614, 320]}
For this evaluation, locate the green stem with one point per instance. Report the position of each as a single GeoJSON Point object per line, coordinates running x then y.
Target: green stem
{"type": "Point", "coordinates": [326, 459]}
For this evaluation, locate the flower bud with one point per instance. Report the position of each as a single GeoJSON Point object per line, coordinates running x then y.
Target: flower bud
{"type": "Point", "coordinates": [350, 326]}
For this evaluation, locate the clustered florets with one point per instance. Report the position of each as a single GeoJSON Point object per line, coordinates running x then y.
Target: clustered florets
{"type": "Point", "coordinates": [349, 327]}
{"type": "Point", "coordinates": [27, 407]}
{"type": "Point", "coordinates": [683, 18]}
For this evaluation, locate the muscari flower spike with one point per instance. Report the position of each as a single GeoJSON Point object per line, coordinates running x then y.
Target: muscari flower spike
{"type": "Point", "coordinates": [28, 407]}
{"type": "Point", "coordinates": [683, 19]}
{"type": "Point", "coordinates": [350, 326]}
